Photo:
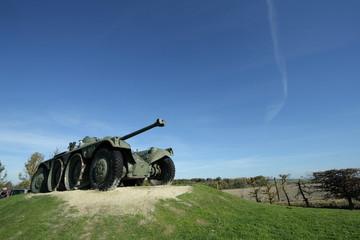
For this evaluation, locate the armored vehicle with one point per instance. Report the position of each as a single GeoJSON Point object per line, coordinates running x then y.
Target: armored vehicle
{"type": "Point", "coordinates": [104, 164]}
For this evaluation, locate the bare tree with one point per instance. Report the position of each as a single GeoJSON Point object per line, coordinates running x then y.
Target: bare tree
{"type": "Point", "coordinates": [218, 181]}
{"type": "Point", "coordinates": [256, 183]}
{"type": "Point", "coordinates": [277, 189]}
{"type": "Point", "coordinates": [283, 184]}
{"type": "Point", "coordinates": [304, 191]}
{"type": "Point", "coordinates": [343, 183]}
{"type": "Point", "coordinates": [30, 168]}
{"type": "Point", "coordinates": [268, 191]}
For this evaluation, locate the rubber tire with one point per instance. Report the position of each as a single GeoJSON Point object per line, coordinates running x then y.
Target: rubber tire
{"type": "Point", "coordinates": [34, 185]}
{"type": "Point", "coordinates": [73, 172]}
{"type": "Point", "coordinates": [131, 183]}
{"type": "Point", "coordinates": [113, 160]}
{"type": "Point", "coordinates": [55, 173]}
{"type": "Point", "coordinates": [167, 172]}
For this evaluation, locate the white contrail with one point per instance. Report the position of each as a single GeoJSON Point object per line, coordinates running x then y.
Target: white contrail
{"type": "Point", "coordinates": [274, 109]}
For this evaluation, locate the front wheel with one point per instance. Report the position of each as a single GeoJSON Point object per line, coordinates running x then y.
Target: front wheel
{"type": "Point", "coordinates": [106, 169]}
{"type": "Point", "coordinates": [164, 172]}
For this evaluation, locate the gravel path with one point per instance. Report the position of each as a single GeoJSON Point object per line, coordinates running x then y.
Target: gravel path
{"type": "Point", "coordinates": [123, 200]}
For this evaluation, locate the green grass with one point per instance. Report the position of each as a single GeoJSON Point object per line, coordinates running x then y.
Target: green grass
{"type": "Point", "coordinates": [205, 213]}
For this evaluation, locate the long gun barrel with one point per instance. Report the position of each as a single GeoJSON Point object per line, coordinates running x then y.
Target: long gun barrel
{"type": "Point", "coordinates": [159, 123]}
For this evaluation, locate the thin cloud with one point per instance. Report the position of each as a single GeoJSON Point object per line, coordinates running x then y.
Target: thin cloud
{"type": "Point", "coordinates": [22, 139]}
{"type": "Point", "coordinates": [275, 109]}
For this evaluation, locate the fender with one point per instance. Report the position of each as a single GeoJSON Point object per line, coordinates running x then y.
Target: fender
{"type": "Point", "coordinates": [88, 148]}
{"type": "Point", "coordinates": [155, 154]}
{"type": "Point", "coordinates": [46, 164]}
{"type": "Point", "coordinates": [117, 142]}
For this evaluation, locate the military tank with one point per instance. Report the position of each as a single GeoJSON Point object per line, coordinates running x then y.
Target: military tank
{"type": "Point", "coordinates": [104, 164]}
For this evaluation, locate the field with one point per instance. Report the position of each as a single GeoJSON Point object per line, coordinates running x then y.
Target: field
{"type": "Point", "coordinates": [316, 198]}
{"type": "Point", "coordinates": [202, 213]}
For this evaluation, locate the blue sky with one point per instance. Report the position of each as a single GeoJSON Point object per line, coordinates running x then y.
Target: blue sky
{"type": "Point", "coordinates": [247, 88]}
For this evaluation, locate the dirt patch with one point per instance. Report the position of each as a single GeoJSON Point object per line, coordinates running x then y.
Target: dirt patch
{"type": "Point", "coordinates": [121, 201]}
{"type": "Point", "coordinates": [178, 211]}
{"type": "Point", "coordinates": [169, 229]}
{"type": "Point", "coordinates": [202, 222]}
{"type": "Point", "coordinates": [85, 236]}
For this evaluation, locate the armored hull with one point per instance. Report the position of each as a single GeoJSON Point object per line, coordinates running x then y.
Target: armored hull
{"type": "Point", "coordinates": [104, 164]}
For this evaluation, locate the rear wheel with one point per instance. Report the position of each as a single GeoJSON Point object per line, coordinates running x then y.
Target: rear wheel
{"type": "Point", "coordinates": [39, 181]}
{"type": "Point", "coordinates": [165, 172]}
{"type": "Point", "coordinates": [74, 172]}
{"type": "Point", "coordinates": [55, 175]}
{"type": "Point", "coordinates": [106, 169]}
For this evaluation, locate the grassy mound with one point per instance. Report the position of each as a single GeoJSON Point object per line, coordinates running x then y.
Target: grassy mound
{"type": "Point", "coordinates": [205, 213]}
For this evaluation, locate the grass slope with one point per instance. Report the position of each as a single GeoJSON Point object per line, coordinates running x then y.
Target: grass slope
{"type": "Point", "coordinates": [203, 214]}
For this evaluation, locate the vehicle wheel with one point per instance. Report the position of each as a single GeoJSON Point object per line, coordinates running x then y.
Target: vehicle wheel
{"type": "Point", "coordinates": [166, 173]}
{"type": "Point", "coordinates": [55, 175]}
{"type": "Point", "coordinates": [136, 182]}
{"type": "Point", "coordinates": [39, 181]}
{"type": "Point", "coordinates": [106, 169]}
{"type": "Point", "coordinates": [74, 172]}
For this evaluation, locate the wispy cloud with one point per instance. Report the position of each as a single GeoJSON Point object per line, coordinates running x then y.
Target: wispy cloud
{"type": "Point", "coordinates": [274, 109]}
{"type": "Point", "coordinates": [27, 138]}
{"type": "Point", "coordinates": [16, 146]}
{"type": "Point", "coordinates": [83, 122]}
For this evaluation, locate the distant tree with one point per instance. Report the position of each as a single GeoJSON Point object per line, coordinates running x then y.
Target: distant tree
{"type": "Point", "coordinates": [260, 179]}
{"type": "Point", "coordinates": [268, 186]}
{"type": "Point", "coordinates": [256, 183]}
{"type": "Point", "coordinates": [30, 168]}
{"type": "Point", "coordinates": [277, 189]}
{"type": "Point", "coordinates": [3, 175]}
{"type": "Point", "coordinates": [304, 190]}
{"type": "Point", "coordinates": [240, 183]}
{"type": "Point", "coordinates": [225, 183]}
{"type": "Point", "coordinates": [283, 184]}
{"type": "Point", "coordinates": [343, 183]}
{"type": "Point", "coordinates": [218, 182]}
